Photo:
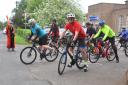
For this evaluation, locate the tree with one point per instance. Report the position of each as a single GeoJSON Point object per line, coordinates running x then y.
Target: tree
{"type": "Point", "coordinates": [46, 10]}
{"type": "Point", "coordinates": [49, 9]}
{"type": "Point", "coordinates": [1, 25]}
{"type": "Point", "coordinates": [19, 12]}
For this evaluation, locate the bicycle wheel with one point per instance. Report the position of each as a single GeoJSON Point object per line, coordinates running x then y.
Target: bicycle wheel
{"type": "Point", "coordinates": [62, 63]}
{"type": "Point", "coordinates": [61, 47]}
{"type": "Point", "coordinates": [93, 56]}
{"type": "Point", "coordinates": [79, 61]}
{"type": "Point", "coordinates": [126, 50]}
{"type": "Point", "coordinates": [51, 55]}
{"type": "Point", "coordinates": [110, 54]}
{"type": "Point", "coordinates": [28, 55]}
{"type": "Point", "coordinates": [118, 45]}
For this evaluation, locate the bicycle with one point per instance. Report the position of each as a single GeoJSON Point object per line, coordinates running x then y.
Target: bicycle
{"type": "Point", "coordinates": [123, 45]}
{"type": "Point", "coordinates": [63, 59]}
{"type": "Point", "coordinates": [59, 44]}
{"type": "Point", "coordinates": [100, 51]}
{"type": "Point", "coordinates": [31, 52]}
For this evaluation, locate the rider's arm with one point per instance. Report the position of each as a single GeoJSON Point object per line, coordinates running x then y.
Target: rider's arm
{"type": "Point", "coordinates": [65, 30]}
{"type": "Point", "coordinates": [106, 34]}
{"type": "Point", "coordinates": [97, 34]}
{"type": "Point", "coordinates": [50, 30]}
{"type": "Point", "coordinates": [29, 38]}
{"type": "Point", "coordinates": [62, 35]}
{"type": "Point", "coordinates": [76, 35]}
{"type": "Point", "coordinates": [36, 36]}
{"type": "Point", "coordinates": [93, 33]}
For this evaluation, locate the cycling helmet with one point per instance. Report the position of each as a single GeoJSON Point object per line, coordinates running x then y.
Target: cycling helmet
{"type": "Point", "coordinates": [71, 15]}
{"type": "Point", "coordinates": [101, 22]}
{"type": "Point", "coordinates": [123, 28]}
{"type": "Point", "coordinates": [88, 23]}
{"type": "Point", "coordinates": [31, 21]}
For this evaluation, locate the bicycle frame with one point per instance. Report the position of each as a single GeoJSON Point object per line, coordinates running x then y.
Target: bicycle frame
{"type": "Point", "coordinates": [105, 52]}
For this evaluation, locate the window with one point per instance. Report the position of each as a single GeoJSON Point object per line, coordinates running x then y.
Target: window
{"type": "Point", "coordinates": [127, 21]}
{"type": "Point", "coordinates": [121, 22]}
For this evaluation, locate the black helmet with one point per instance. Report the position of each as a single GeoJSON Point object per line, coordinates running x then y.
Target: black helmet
{"type": "Point", "coordinates": [88, 23]}
{"type": "Point", "coordinates": [123, 29]}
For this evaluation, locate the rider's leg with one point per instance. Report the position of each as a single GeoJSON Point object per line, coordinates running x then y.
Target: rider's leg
{"type": "Point", "coordinates": [84, 52]}
{"type": "Point", "coordinates": [70, 53]}
{"type": "Point", "coordinates": [112, 41]}
{"type": "Point", "coordinates": [43, 43]}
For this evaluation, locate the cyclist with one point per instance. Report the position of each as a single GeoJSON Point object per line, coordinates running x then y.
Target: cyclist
{"type": "Point", "coordinates": [90, 30]}
{"type": "Point", "coordinates": [38, 32]}
{"type": "Point", "coordinates": [123, 36]}
{"type": "Point", "coordinates": [108, 35]}
{"type": "Point", "coordinates": [78, 35]}
{"type": "Point", "coordinates": [55, 31]}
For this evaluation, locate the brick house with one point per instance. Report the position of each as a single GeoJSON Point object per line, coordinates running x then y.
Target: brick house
{"type": "Point", "coordinates": [115, 15]}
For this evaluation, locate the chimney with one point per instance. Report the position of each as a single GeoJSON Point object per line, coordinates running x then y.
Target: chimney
{"type": "Point", "coordinates": [126, 2]}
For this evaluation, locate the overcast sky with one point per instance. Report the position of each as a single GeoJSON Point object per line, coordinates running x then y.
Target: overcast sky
{"type": "Point", "coordinates": [6, 6]}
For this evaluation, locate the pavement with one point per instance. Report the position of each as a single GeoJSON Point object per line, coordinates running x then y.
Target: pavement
{"type": "Point", "coordinates": [13, 72]}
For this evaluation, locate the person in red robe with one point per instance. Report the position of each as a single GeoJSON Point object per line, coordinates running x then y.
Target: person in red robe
{"type": "Point", "coordinates": [10, 32]}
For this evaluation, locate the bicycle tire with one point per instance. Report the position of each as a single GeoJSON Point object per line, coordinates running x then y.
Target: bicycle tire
{"type": "Point", "coordinates": [111, 52]}
{"type": "Point", "coordinates": [118, 45]}
{"type": "Point", "coordinates": [53, 57]}
{"type": "Point", "coordinates": [126, 50]}
{"type": "Point", "coordinates": [61, 61]}
{"type": "Point", "coordinates": [93, 57]}
{"type": "Point", "coordinates": [21, 56]}
{"type": "Point", "coordinates": [79, 61]}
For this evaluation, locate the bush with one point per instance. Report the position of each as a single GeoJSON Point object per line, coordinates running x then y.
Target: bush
{"type": "Point", "coordinates": [23, 32]}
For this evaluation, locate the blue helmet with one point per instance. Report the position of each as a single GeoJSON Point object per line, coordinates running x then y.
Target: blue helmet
{"type": "Point", "coordinates": [101, 22]}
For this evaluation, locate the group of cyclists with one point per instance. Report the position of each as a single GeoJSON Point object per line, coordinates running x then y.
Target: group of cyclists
{"type": "Point", "coordinates": [79, 35]}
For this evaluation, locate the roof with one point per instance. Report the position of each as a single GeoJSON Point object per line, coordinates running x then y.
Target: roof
{"type": "Point", "coordinates": [106, 3]}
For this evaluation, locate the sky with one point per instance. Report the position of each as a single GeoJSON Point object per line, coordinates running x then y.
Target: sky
{"type": "Point", "coordinates": [6, 6]}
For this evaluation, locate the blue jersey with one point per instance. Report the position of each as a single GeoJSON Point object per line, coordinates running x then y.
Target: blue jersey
{"type": "Point", "coordinates": [124, 34]}
{"type": "Point", "coordinates": [38, 31]}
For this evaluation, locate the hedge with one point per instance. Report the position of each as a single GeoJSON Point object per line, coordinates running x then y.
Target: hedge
{"type": "Point", "coordinates": [23, 32]}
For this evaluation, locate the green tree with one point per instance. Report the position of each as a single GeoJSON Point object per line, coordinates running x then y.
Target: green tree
{"type": "Point", "coordinates": [49, 9]}
{"type": "Point", "coordinates": [18, 18]}
{"type": "Point", "coordinates": [46, 10]}
{"type": "Point", "coordinates": [1, 25]}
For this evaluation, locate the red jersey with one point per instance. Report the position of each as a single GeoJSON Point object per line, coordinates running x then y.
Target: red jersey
{"type": "Point", "coordinates": [76, 27]}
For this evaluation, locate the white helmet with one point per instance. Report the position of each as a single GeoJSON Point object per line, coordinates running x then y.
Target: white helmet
{"type": "Point", "coordinates": [31, 21]}
{"type": "Point", "coordinates": [71, 15]}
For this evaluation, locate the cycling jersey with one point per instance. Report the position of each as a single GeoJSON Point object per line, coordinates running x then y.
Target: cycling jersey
{"type": "Point", "coordinates": [54, 28]}
{"type": "Point", "coordinates": [124, 34]}
{"type": "Point", "coordinates": [107, 31]}
{"type": "Point", "coordinates": [75, 27]}
{"type": "Point", "coordinates": [90, 31]}
{"type": "Point", "coordinates": [38, 31]}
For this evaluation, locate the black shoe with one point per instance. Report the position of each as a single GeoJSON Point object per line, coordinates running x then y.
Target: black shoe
{"type": "Point", "coordinates": [117, 61]}
{"type": "Point", "coordinates": [71, 63]}
{"type": "Point", "coordinates": [9, 49]}
{"type": "Point", "coordinates": [86, 68]}
{"type": "Point", "coordinates": [13, 49]}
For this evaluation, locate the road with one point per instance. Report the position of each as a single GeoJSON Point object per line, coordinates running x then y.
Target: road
{"type": "Point", "coordinates": [13, 72]}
